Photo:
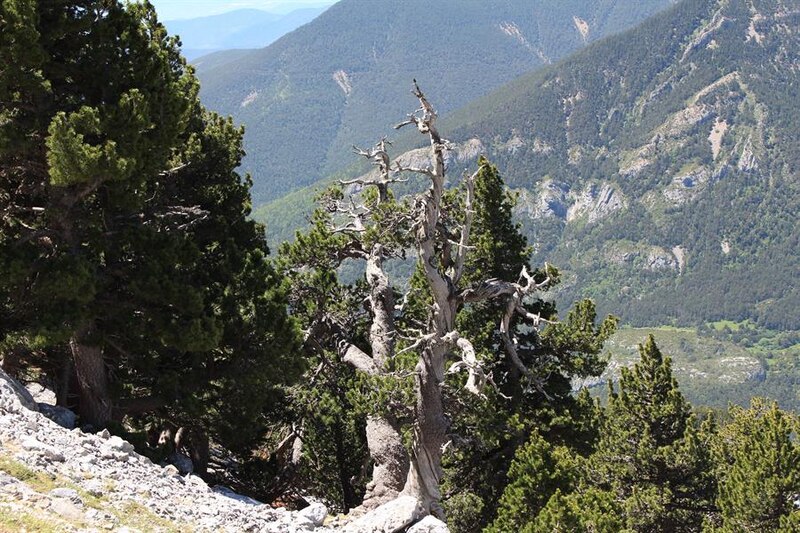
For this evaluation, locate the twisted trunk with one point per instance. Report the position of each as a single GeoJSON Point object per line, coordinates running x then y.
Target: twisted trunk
{"type": "Point", "coordinates": [389, 461]}
{"type": "Point", "coordinates": [95, 400]}
{"type": "Point", "coordinates": [385, 443]}
{"type": "Point", "coordinates": [430, 433]}
{"type": "Point", "coordinates": [431, 424]}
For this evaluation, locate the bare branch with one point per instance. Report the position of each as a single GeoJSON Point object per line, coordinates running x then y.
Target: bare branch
{"type": "Point", "coordinates": [477, 377]}
{"type": "Point", "coordinates": [355, 356]}
{"type": "Point", "coordinates": [469, 214]}
{"type": "Point", "coordinates": [173, 170]}
{"type": "Point", "coordinates": [415, 170]}
{"type": "Point", "coordinates": [419, 342]}
{"type": "Point", "coordinates": [366, 182]}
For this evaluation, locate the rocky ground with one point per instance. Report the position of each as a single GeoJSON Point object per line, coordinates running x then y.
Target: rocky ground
{"type": "Point", "coordinates": [57, 479]}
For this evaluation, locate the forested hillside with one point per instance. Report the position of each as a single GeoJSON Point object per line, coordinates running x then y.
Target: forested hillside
{"type": "Point", "coordinates": [661, 167]}
{"type": "Point", "coordinates": [306, 99]}
{"type": "Point", "coordinates": [658, 168]}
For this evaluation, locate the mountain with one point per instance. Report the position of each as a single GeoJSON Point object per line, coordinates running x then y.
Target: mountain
{"type": "Point", "coordinates": [658, 168]}
{"type": "Point", "coordinates": [307, 98]}
{"type": "Point", "coordinates": [242, 28]}
{"type": "Point", "coordinates": [661, 167]}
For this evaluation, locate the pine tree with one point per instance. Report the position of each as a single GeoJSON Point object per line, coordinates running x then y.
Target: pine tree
{"type": "Point", "coordinates": [538, 471]}
{"type": "Point", "coordinates": [649, 470]}
{"type": "Point", "coordinates": [538, 404]}
{"type": "Point", "coordinates": [757, 462]}
{"type": "Point", "coordinates": [374, 226]}
{"type": "Point", "coordinates": [591, 510]}
{"type": "Point", "coordinates": [126, 251]}
{"type": "Point", "coordinates": [651, 454]}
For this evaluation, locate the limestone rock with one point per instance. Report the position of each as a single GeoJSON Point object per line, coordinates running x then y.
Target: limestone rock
{"type": "Point", "coordinates": [429, 524]}
{"type": "Point", "coordinates": [49, 452]}
{"type": "Point", "coordinates": [60, 415]}
{"type": "Point", "coordinates": [391, 517]}
{"type": "Point", "coordinates": [13, 395]}
{"type": "Point", "coordinates": [40, 393]}
{"type": "Point", "coordinates": [66, 509]}
{"type": "Point", "coordinates": [68, 494]}
{"type": "Point", "coordinates": [117, 444]}
{"type": "Point", "coordinates": [316, 512]}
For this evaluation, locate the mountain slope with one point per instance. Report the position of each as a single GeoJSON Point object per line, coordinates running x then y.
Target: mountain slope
{"type": "Point", "coordinates": [242, 28]}
{"type": "Point", "coordinates": [659, 168]}
{"type": "Point", "coordinates": [332, 83]}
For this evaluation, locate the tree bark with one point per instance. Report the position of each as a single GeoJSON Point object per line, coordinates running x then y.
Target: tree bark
{"type": "Point", "coordinates": [430, 433]}
{"type": "Point", "coordinates": [389, 461]}
{"type": "Point", "coordinates": [95, 400]}
{"type": "Point", "coordinates": [431, 424]}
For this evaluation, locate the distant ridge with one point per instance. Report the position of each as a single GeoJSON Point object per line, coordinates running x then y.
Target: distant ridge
{"type": "Point", "coordinates": [305, 99]}
{"type": "Point", "coordinates": [239, 29]}
{"type": "Point", "coordinates": [659, 168]}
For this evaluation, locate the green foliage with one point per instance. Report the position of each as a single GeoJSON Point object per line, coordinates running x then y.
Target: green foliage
{"type": "Point", "coordinates": [539, 471]}
{"type": "Point", "coordinates": [756, 458]}
{"type": "Point", "coordinates": [652, 453]}
{"type": "Point", "coordinates": [128, 228]}
{"type": "Point", "coordinates": [592, 510]}
{"type": "Point", "coordinates": [567, 348]}
{"type": "Point", "coordinates": [292, 107]}
{"type": "Point", "coordinates": [649, 470]}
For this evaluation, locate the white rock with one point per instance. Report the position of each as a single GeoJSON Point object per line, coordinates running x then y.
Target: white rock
{"type": "Point", "coordinates": [303, 523]}
{"type": "Point", "coordinates": [170, 471]}
{"type": "Point", "coordinates": [68, 494]}
{"type": "Point", "coordinates": [13, 396]}
{"type": "Point", "coordinates": [392, 516]}
{"type": "Point", "coordinates": [316, 512]}
{"type": "Point", "coordinates": [67, 509]}
{"type": "Point", "coordinates": [31, 444]}
{"type": "Point", "coordinates": [116, 443]}
{"type": "Point", "coordinates": [40, 393]}
{"type": "Point", "coordinates": [429, 524]}
{"type": "Point", "coordinates": [197, 482]}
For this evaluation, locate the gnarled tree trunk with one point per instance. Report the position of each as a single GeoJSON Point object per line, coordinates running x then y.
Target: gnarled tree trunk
{"type": "Point", "coordinates": [389, 461]}
{"type": "Point", "coordinates": [430, 434]}
{"type": "Point", "coordinates": [95, 400]}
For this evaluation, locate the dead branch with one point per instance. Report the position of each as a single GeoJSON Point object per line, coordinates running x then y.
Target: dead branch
{"type": "Point", "coordinates": [469, 361]}
{"type": "Point", "coordinates": [469, 214]}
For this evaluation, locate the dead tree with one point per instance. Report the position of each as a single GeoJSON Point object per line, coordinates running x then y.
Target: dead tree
{"type": "Point", "coordinates": [441, 242]}
{"type": "Point", "coordinates": [443, 263]}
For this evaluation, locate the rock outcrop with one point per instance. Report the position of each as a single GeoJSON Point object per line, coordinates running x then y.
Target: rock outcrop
{"type": "Point", "coordinates": [67, 480]}
{"type": "Point", "coordinates": [76, 481]}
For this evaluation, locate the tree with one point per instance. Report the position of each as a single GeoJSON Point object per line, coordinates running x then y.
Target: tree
{"type": "Point", "coordinates": [540, 404]}
{"type": "Point", "coordinates": [652, 455]}
{"type": "Point", "coordinates": [756, 460]}
{"type": "Point", "coordinates": [126, 251]}
{"type": "Point", "coordinates": [412, 336]}
{"type": "Point", "coordinates": [649, 470]}
{"type": "Point", "coordinates": [538, 471]}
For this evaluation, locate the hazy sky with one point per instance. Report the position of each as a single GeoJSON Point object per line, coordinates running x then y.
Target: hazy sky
{"type": "Point", "coordinates": [182, 9]}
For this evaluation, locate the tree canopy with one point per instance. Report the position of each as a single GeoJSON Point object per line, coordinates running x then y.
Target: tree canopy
{"type": "Point", "coordinates": [130, 273]}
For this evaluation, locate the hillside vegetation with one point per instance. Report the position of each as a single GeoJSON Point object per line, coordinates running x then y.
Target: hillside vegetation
{"type": "Point", "coordinates": [657, 168]}
{"type": "Point", "coordinates": [307, 98]}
